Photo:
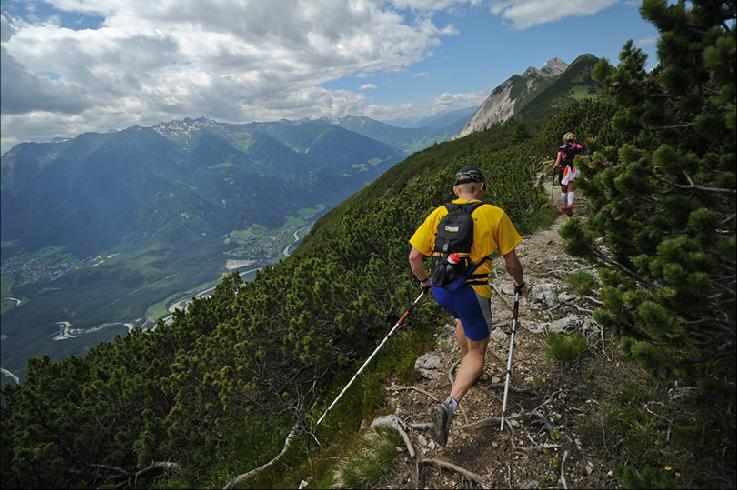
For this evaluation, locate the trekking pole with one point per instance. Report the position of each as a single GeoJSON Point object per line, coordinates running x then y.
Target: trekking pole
{"type": "Point", "coordinates": [515, 312]}
{"type": "Point", "coordinates": [552, 189]}
{"type": "Point", "coordinates": [376, 351]}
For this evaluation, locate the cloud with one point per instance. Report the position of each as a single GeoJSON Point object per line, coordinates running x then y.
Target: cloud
{"type": "Point", "coordinates": [528, 13]}
{"type": "Point", "coordinates": [432, 5]}
{"type": "Point", "coordinates": [646, 41]}
{"type": "Point", "coordinates": [369, 86]}
{"type": "Point", "coordinates": [22, 91]}
{"type": "Point", "coordinates": [447, 101]}
{"type": "Point", "coordinates": [228, 60]}
{"type": "Point", "coordinates": [441, 103]}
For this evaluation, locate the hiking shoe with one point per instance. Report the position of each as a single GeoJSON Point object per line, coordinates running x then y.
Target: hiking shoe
{"type": "Point", "coordinates": [442, 416]}
{"type": "Point", "coordinates": [568, 210]}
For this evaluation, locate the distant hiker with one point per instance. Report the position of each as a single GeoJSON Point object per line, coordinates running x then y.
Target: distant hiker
{"type": "Point", "coordinates": [461, 236]}
{"type": "Point", "coordinates": [564, 161]}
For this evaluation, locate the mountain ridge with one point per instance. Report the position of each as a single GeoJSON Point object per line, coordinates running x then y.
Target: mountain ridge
{"type": "Point", "coordinates": [510, 98]}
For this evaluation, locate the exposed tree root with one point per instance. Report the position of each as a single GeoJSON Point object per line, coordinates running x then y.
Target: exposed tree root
{"type": "Point", "coordinates": [134, 475]}
{"type": "Point", "coordinates": [414, 388]}
{"type": "Point", "coordinates": [533, 415]}
{"type": "Point", "coordinates": [287, 442]}
{"type": "Point", "coordinates": [394, 422]}
{"type": "Point", "coordinates": [514, 389]}
{"type": "Point", "coordinates": [562, 472]}
{"type": "Point", "coordinates": [468, 475]}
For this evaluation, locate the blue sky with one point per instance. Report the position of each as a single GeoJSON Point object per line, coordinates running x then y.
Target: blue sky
{"type": "Point", "coordinates": [488, 50]}
{"type": "Point", "coordinates": [70, 66]}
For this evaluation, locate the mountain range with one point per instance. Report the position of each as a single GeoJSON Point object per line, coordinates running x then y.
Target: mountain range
{"type": "Point", "coordinates": [119, 226]}
{"type": "Point", "coordinates": [536, 93]}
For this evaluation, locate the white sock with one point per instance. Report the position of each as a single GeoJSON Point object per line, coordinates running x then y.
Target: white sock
{"type": "Point", "coordinates": [453, 405]}
{"type": "Point", "coordinates": [563, 197]}
{"type": "Point", "coordinates": [570, 198]}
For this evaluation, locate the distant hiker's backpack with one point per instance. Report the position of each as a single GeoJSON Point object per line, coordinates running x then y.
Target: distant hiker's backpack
{"type": "Point", "coordinates": [569, 151]}
{"type": "Point", "coordinates": [451, 262]}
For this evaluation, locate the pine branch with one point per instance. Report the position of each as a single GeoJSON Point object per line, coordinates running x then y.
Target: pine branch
{"type": "Point", "coordinates": [692, 185]}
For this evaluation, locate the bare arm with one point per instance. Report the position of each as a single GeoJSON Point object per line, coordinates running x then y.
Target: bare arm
{"type": "Point", "coordinates": [558, 160]}
{"type": "Point", "coordinates": [415, 261]}
{"type": "Point", "coordinates": [514, 267]}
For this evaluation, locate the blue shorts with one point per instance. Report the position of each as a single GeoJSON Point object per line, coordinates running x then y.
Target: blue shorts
{"type": "Point", "coordinates": [473, 310]}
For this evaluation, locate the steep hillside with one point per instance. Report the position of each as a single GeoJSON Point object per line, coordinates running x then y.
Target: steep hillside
{"type": "Point", "coordinates": [300, 324]}
{"type": "Point", "coordinates": [574, 83]}
{"type": "Point", "coordinates": [234, 384]}
{"type": "Point", "coordinates": [536, 93]}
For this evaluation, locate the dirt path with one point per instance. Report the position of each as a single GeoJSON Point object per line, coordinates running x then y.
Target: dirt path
{"type": "Point", "coordinates": [530, 455]}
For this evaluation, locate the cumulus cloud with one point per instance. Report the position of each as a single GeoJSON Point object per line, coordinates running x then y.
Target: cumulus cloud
{"type": "Point", "coordinates": [528, 13]}
{"type": "Point", "coordinates": [229, 60]}
{"type": "Point", "coordinates": [369, 86]}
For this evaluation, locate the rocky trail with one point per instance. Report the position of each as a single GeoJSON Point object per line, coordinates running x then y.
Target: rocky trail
{"type": "Point", "coordinates": [552, 439]}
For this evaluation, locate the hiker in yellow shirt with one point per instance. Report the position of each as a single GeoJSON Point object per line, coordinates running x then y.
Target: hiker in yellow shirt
{"type": "Point", "coordinates": [460, 276]}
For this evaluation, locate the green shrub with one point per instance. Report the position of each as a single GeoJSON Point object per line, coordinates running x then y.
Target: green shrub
{"type": "Point", "coordinates": [581, 282]}
{"type": "Point", "coordinates": [565, 348]}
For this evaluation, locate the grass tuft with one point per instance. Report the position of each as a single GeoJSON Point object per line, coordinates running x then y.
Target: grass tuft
{"type": "Point", "coordinates": [369, 459]}
{"type": "Point", "coordinates": [565, 348]}
{"type": "Point", "coordinates": [581, 282]}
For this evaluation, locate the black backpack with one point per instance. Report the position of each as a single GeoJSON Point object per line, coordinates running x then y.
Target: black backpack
{"type": "Point", "coordinates": [454, 236]}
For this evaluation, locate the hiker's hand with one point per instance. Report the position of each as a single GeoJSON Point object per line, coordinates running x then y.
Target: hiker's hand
{"type": "Point", "coordinates": [426, 285]}
{"type": "Point", "coordinates": [520, 289]}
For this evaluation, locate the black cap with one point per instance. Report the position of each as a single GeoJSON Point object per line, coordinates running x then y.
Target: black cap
{"type": "Point", "coordinates": [468, 174]}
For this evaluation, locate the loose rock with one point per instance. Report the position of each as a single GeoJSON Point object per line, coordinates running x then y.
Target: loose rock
{"type": "Point", "coordinates": [428, 366]}
{"type": "Point", "coordinates": [543, 293]}
{"type": "Point", "coordinates": [534, 327]}
{"type": "Point", "coordinates": [565, 324]}
{"type": "Point", "coordinates": [565, 297]}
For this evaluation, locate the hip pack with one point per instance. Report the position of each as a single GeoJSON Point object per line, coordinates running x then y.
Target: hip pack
{"type": "Point", "coordinates": [451, 262]}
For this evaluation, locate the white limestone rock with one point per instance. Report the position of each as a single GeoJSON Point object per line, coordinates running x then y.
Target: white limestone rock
{"type": "Point", "coordinates": [428, 366]}
{"type": "Point", "coordinates": [544, 293]}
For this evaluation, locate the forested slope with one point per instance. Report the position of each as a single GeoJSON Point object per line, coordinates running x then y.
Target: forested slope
{"type": "Point", "coordinates": [218, 389]}
{"type": "Point", "coordinates": [226, 379]}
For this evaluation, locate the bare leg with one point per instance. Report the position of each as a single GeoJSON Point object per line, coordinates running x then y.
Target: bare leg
{"type": "Point", "coordinates": [563, 195]}
{"type": "Point", "coordinates": [461, 338]}
{"type": "Point", "coordinates": [471, 367]}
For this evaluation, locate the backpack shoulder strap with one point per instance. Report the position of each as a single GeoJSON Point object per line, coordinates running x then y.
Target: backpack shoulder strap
{"type": "Point", "coordinates": [472, 206]}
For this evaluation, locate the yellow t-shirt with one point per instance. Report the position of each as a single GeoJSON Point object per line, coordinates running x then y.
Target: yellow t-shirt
{"type": "Point", "coordinates": [492, 231]}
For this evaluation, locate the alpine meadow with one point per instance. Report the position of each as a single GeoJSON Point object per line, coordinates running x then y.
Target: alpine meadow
{"type": "Point", "coordinates": [227, 392]}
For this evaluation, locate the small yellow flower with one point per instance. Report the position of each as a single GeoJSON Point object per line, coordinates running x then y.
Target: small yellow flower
{"type": "Point", "coordinates": [668, 468]}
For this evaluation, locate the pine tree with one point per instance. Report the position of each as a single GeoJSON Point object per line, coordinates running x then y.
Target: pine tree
{"type": "Point", "coordinates": [664, 201]}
